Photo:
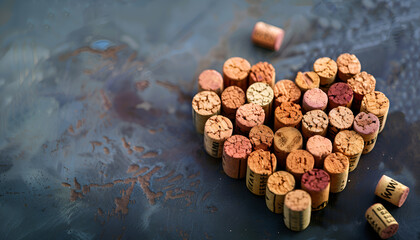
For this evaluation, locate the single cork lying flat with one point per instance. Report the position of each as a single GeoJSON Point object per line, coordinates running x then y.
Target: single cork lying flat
{"type": "Point", "coordinates": [261, 94]}
{"type": "Point", "coordinates": [340, 94]}
{"type": "Point", "coordinates": [286, 91]}
{"type": "Point", "coordinates": [249, 116]}
{"type": "Point", "coordinates": [278, 185]}
{"type": "Point", "coordinates": [261, 164]}
{"type": "Point", "coordinates": [348, 66]}
{"type": "Point", "coordinates": [350, 144]}
{"type": "Point", "coordinates": [314, 122]}
{"type": "Point", "coordinates": [298, 162]}
{"type": "Point", "coordinates": [378, 104]}
{"type": "Point", "coordinates": [232, 98]}
{"type": "Point", "coordinates": [320, 147]}
{"type": "Point", "coordinates": [317, 183]}
{"type": "Point", "coordinates": [307, 80]}
{"type": "Point", "coordinates": [340, 118]}
{"type": "Point", "coordinates": [235, 72]}
{"type": "Point", "coordinates": [326, 68]}
{"type": "Point", "coordinates": [362, 83]}
{"type": "Point", "coordinates": [210, 80]}
{"type": "Point", "coordinates": [392, 191]}
{"type": "Point", "coordinates": [286, 140]}
{"type": "Point", "coordinates": [314, 99]}
{"type": "Point", "coordinates": [337, 166]}
{"type": "Point", "coordinates": [204, 104]}
{"type": "Point", "coordinates": [262, 72]}
{"type": "Point", "coordinates": [288, 114]}
{"type": "Point", "coordinates": [267, 36]}
{"type": "Point", "coordinates": [297, 210]}
{"type": "Point", "coordinates": [367, 126]}
{"type": "Point", "coordinates": [216, 130]}
{"type": "Point", "coordinates": [381, 221]}
{"type": "Point", "coordinates": [261, 137]}
{"type": "Point", "coordinates": [236, 150]}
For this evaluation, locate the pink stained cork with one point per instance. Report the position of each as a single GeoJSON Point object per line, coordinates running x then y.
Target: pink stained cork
{"type": "Point", "coordinates": [236, 150]}
{"type": "Point", "coordinates": [317, 183]}
{"type": "Point", "coordinates": [249, 116]}
{"type": "Point", "coordinates": [340, 94]}
{"type": "Point", "coordinates": [314, 99]}
{"type": "Point", "coordinates": [267, 36]}
{"type": "Point", "coordinates": [367, 126]}
{"type": "Point", "coordinates": [210, 80]}
{"type": "Point", "coordinates": [319, 147]}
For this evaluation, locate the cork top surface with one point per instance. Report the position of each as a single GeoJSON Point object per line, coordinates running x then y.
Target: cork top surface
{"type": "Point", "coordinates": [319, 146]}
{"type": "Point", "coordinates": [281, 182]}
{"type": "Point", "coordinates": [288, 113]}
{"type": "Point", "coordinates": [206, 103]}
{"type": "Point", "coordinates": [315, 98]}
{"type": "Point", "coordinates": [315, 121]}
{"type": "Point", "coordinates": [348, 64]}
{"type": "Point", "coordinates": [307, 80]}
{"type": "Point", "coordinates": [288, 139]}
{"type": "Point", "coordinates": [362, 83]}
{"type": "Point", "coordinates": [262, 162]}
{"type": "Point", "coordinates": [315, 180]}
{"type": "Point", "coordinates": [348, 142]}
{"type": "Point", "coordinates": [341, 117]}
{"type": "Point", "coordinates": [237, 146]}
{"type": "Point", "coordinates": [250, 115]}
{"type": "Point", "coordinates": [300, 161]}
{"type": "Point", "coordinates": [376, 103]}
{"type": "Point", "coordinates": [210, 80]}
{"type": "Point", "coordinates": [336, 163]}
{"type": "Point", "coordinates": [340, 93]}
{"type": "Point", "coordinates": [366, 123]}
{"type": "Point", "coordinates": [261, 137]}
{"type": "Point", "coordinates": [233, 97]}
{"type": "Point", "coordinates": [260, 93]}
{"type": "Point", "coordinates": [286, 91]}
{"type": "Point", "coordinates": [325, 67]}
{"type": "Point", "coordinates": [236, 68]}
{"type": "Point", "coordinates": [297, 200]}
{"type": "Point", "coordinates": [218, 127]}
{"type": "Point", "coordinates": [262, 72]}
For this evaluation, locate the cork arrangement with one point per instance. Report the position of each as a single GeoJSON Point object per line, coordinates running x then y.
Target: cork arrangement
{"type": "Point", "coordinates": [295, 142]}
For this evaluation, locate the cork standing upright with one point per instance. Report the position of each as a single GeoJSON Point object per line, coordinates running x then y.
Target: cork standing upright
{"type": "Point", "coordinates": [261, 164]}
{"type": "Point", "coordinates": [326, 68]}
{"type": "Point", "coordinates": [210, 80]}
{"type": "Point", "coordinates": [362, 83]}
{"type": "Point", "coordinates": [376, 103]}
{"type": "Point", "coordinates": [236, 150]}
{"type": "Point", "coordinates": [314, 122]}
{"type": "Point", "coordinates": [261, 137]}
{"type": "Point", "coordinates": [262, 72]}
{"type": "Point", "coordinates": [288, 114]}
{"type": "Point", "coordinates": [340, 94]}
{"type": "Point", "coordinates": [286, 91]}
{"type": "Point", "coordinates": [367, 126]}
{"type": "Point", "coordinates": [278, 185]}
{"type": "Point", "coordinates": [317, 183]}
{"type": "Point", "coordinates": [298, 162]}
{"type": "Point", "coordinates": [261, 94]}
{"type": "Point", "coordinates": [297, 210]}
{"type": "Point", "coordinates": [340, 118]}
{"type": "Point", "coordinates": [348, 66]}
{"type": "Point", "coordinates": [235, 72]}
{"type": "Point", "coordinates": [307, 80]}
{"type": "Point", "coordinates": [204, 105]}
{"type": "Point", "coordinates": [286, 140]}
{"type": "Point", "coordinates": [216, 130]}
{"type": "Point", "coordinates": [337, 166]}
{"type": "Point", "coordinates": [232, 98]}
{"type": "Point", "coordinates": [247, 117]}
{"type": "Point", "coordinates": [351, 144]}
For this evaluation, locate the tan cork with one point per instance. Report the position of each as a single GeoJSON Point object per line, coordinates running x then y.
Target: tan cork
{"type": "Point", "coordinates": [286, 140]}
{"type": "Point", "coordinates": [348, 66]}
{"type": "Point", "coordinates": [351, 144]}
{"type": "Point", "coordinates": [261, 137]}
{"type": "Point", "coordinates": [297, 210]}
{"type": "Point", "coordinates": [298, 162]}
{"type": "Point", "coordinates": [261, 164]}
{"type": "Point", "coordinates": [340, 118]}
{"type": "Point", "coordinates": [204, 105]}
{"type": "Point", "coordinates": [232, 98]}
{"type": "Point", "coordinates": [267, 36]}
{"type": "Point", "coordinates": [337, 166]}
{"type": "Point", "coordinates": [278, 185]}
{"type": "Point", "coordinates": [261, 94]}
{"type": "Point", "coordinates": [216, 130]}
{"type": "Point", "coordinates": [392, 191]}
{"type": "Point", "coordinates": [314, 122]}
{"type": "Point", "coordinates": [286, 91]}
{"type": "Point", "coordinates": [381, 220]}
{"type": "Point", "coordinates": [376, 103]}
{"type": "Point", "coordinates": [307, 80]}
{"type": "Point", "coordinates": [235, 72]}
{"type": "Point", "coordinates": [362, 83]}
{"type": "Point", "coordinates": [326, 68]}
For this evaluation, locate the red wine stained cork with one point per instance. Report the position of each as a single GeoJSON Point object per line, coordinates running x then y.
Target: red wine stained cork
{"type": "Point", "coordinates": [210, 80]}
{"type": "Point", "coordinates": [340, 118]}
{"type": "Point", "coordinates": [326, 68]}
{"type": "Point", "coordinates": [298, 162]}
{"type": "Point", "coordinates": [350, 144]}
{"type": "Point", "coordinates": [314, 99]}
{"type": "Point", "coordinates": [367, 126]}
{"type": "Point", "coordinates": [378, 104]}
{"type": "Point", "coordinates": [216, 130]}
{"type": "Point", "coordinates": [261, 164]}
{"type": "Point", "coordinates": [235, 72]}
{"type": "Point", "coordinates": [362, 83]}
{"type": "Point", "coordinates": [278, 185]}
{"type": "Point", "coordinates": [340, 94]}
{"type": "Point", "coordinates": [286, 91]}
{"type": "Point", "coordinates": [337, 166]}
{"type": "Point", "coordinates": [261, 94]}
{"type": "Point", "coordinates": [204, 105]}
{"type": "Point", "coordinates": [249, 116]}
{"type": "Point", "coordinates": [381, 220]}
{"type": "Point", "coordinates": [232, 98]}
{"type": "Point", "coordinates": [392, 191]}
{"type": "Point", "coordinates": [262, 72]}
{"type": "Point", "coordinates": [288, 114]}
{"type": "Point", "coordinates": [236, 150]}
{"type": "Point", "coordinates": [320, 147]}
{"type": "Point", "coordinates": [297, 210]}
{"type": "Point", "coordinates": [348, 66]}
{"type": "Point", "coordinates": [286, 140]}
{"type": "Point", "coordinates": [314, 122]}
{"type": "Point", "coordinates": [267, 36]}
{"type": "Point", "coordinates": [307, 80]}
{"type": "Point", "coordinates": [317, 183]}
{"type": "Point", "coordinates": [261, 137]}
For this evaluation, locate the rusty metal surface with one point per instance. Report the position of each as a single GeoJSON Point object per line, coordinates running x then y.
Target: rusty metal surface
{"type": "Point", "coordinates": [97, 140]}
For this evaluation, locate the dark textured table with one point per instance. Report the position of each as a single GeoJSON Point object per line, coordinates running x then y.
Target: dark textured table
{"type": "Point", "coordinates": [97, 140]}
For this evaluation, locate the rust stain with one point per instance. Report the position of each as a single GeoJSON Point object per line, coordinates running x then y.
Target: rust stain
{"type": "Point", "coordinates": [150, 154]}
{"type": "Point", "coordinates": [110, 52]}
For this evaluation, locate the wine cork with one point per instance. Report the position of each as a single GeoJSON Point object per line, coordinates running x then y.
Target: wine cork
{"type": "Point", "coordinates": [314, 122]}
{"type": "Point", "coordinates": [298, 162]}
{"type": "Point", "coordinates": [236, 150]}
{"type": "Point", "coordinates": [261, 94]}
{"type": "Point", "coordinates": [262, 72]}
{"type": "Point", "coordinates": [326, 68]}
{"type": "Point", "coordinates": [216, 130]}
{"type": "Point", "coordinates": [204, 105]}
{"type": "Point", "coordinates": [392, 191]}
{"type": "Point", "coordinates": [340, 118]}
{"type": "Point", "coordinates": [278, 185]}
{"type": "Point", "coordinates": [350, 144]}
{"type": "Point", "coordinates": [381, 220]}
{"type": "Point", "coordinates": [362, 83]}
{"type": "Point", "coordinates": [261, 164]}
{"type": "Point", "coordinates": [288, 114]}
{"type": "Point", "coordinates": [367, 126]}
{"type": "Point", "coordinates": [320, 147]}
{"type": "Point", "coordinates": [232, 98]}
{"type": "Point", "coordinates": [314, 99]}
{"type": "Point", "coordinates": [267, 36]}
{"type": "Point", "coordinates": [317, 183]}
{"type": "Point", "coordinates": [235, 72]}
{"type": "Point", "coordinates": [378, 104]}
{"type": "Point", "coordinates": [210, 80]}
{"type": "Point", "coordinates": [348, 66]}
{"type": "Point", "coordinates": [247, 117]}
{"type": "Point", "coordinates": [297, 210]}
{"type": "Point", "coordinates": [261, 137]}
{"type": "Point", "coordinates": [337, 166]}
{"type": "Point", "coordinates": [307, 80]}
{"type": "Point", "coordinates": [340, 94]}
{"type": "Point", "coordinates": [286, 140]}
{"type": "Point", "coordinates": [286, 91]}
